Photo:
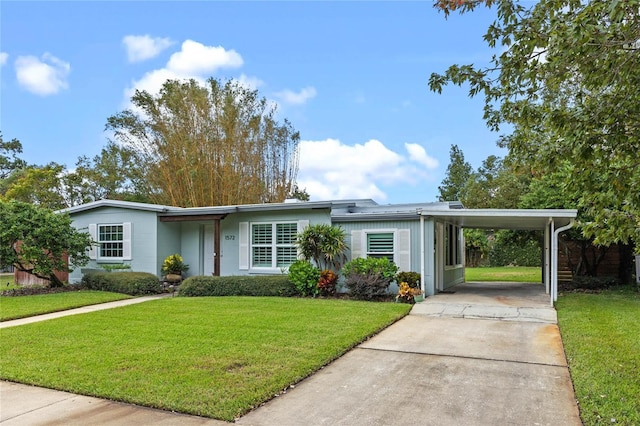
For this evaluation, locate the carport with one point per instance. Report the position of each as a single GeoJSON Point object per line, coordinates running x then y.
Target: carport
{"type": "Point", "coordinates": [551, 221]}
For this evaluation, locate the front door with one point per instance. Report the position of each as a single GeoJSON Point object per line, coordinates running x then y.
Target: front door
{"type": "Point", "coordinates": [208, 252]}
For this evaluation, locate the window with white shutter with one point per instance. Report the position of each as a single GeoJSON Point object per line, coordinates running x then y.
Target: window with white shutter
{"type": "Point", "coordinates": [269, 244]}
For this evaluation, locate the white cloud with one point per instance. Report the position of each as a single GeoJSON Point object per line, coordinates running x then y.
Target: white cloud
{"type": "Point", "coordinates": [293, 98]}
{"type": "Point", "coordinates": [418, 154]}
{"type": "Point", "coordinates": [140, 48]}
{"type": "Point", "coordinates": [45, 76]}
{"type": "Point", "coordinates": [194, 60]}
{"type": "Point", "coordinates": [251, 82]}
{"type": "Point", "coordinates": [3, 58]}
{"type": "Point", "coordinates": [330, 169]}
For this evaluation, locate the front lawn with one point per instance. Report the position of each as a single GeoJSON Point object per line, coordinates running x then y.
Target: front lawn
{"type": "Point", "coordinates": [216, 356]}
{"type": "Point", "coordinates": [12, 307]}
{"type": "Point", "coordinates": [521, 274]}
{"type": "Point", "coordinates": [601, 336]}
{"type": "Point", "coordinates": [6, 281]}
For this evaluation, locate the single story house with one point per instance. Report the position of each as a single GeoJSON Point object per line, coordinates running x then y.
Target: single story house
{"type": "Point", "coordinates": [259, 238]}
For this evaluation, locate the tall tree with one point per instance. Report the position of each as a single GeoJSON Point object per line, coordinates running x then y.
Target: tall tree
{"type": "Point", "coordinates": [458, 172]}
{"type": "Point", "coordinates": [217, 144]}
{"type": "Point", "coordinates": [38, 241]}
{"type": "Point", "coordinates": [9, 161]}
{"type": "Point", "coordinates": [497, 184]}
{"type": "Point", "coordinates": [38, 185]}
{"type": "Point", "coordinates": [114, 174]}
{"type": "Point", "coordinates": [567, 81]}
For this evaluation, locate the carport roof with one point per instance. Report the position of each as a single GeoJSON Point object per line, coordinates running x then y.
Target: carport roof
{"type": "Point", "coordinates": [529, 219]}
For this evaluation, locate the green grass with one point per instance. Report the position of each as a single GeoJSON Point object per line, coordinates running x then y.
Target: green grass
{"type": "Point", "coordinates": [521, 274]}
{"type": "Point", "coordinates": [6, 281]}
{"type": "Point", "coordinates": [601, 336]}
{"type": "Point", "coordinates": [12, 307]}
{"type": "Point", "coordinates": [215, 357]}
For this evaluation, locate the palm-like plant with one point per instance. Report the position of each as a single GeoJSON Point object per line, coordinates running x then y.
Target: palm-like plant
{"type": "Point", "coordinates": [324, 244]}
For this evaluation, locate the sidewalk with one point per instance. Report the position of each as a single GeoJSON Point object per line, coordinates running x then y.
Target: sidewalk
{"type": "Point", "coordinates": [82, 310]}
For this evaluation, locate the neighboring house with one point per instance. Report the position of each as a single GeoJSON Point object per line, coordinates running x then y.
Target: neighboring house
{"type": "Point", "coordinates": [259, 238]}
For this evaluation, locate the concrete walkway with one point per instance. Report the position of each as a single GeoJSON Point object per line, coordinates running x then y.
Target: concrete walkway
{"type": "Point", "coordinates": [484, 354]}
{"type": "Point", "coordinates": [488, 354]}
{"type": "Point", "coordinates": [82, 310]}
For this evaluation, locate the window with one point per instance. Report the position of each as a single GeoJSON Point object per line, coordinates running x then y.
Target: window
{"type": "Point", "coordinates": [453, 245]}
{"type": "Point", "coordinates": [380, 245]}
{"type": "Point", "coordinates": [273, 244]}
{"type": "Point", "coordinates": [392, 243]}
{"type": "Point", "coordinates": [111, 240]}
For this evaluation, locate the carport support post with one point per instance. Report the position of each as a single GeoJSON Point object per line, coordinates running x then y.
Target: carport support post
{"type": "Point", "coordinates": [547, 257]}
{"type": "Point", "coordinates": [554, 260]}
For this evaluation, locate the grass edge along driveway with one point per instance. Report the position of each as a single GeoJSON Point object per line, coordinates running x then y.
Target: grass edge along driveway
{"type": "Point", "coordinates": [14, 307]}
{"type": "Point", "coordinates": [601, 337]}
{"type": "Point", "coordinates": [215, 357]}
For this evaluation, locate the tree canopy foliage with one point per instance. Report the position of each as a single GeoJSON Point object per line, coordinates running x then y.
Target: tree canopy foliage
{"type": "Point", "coordinates": [217, 144]}
{"type": "Point", "coordinates": [9, 161]}
{"type": "Point", "coordinates": [38, 241]}
{"type": "Point", "coordinates": [458, 172]}
{"type": "Point", "coordinates": [566, 80]}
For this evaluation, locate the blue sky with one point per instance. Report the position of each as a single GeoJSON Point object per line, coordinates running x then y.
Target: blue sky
{"type": "Point", "coordinates": [350, 76]}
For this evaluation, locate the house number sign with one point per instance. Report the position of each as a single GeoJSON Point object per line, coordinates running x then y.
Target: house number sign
{"type": "Point", "coordinates": [229, 237]}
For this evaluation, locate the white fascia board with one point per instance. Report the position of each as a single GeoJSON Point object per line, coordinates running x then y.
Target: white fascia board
{"type": "Point", "coordinates": [119, 204]}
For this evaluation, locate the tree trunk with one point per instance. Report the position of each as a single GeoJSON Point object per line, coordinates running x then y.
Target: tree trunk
{"type": "Point", "coordinates": [625, 267]}
{"type": "Point", "coordinates": [54, 281]}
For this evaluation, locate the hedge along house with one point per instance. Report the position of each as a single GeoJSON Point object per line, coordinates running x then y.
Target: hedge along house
{"type": "Point", "coordinates": [259, 238]}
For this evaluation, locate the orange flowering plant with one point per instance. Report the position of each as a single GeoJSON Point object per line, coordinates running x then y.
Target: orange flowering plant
{"type": "Point", "coordinates": [406, 293]}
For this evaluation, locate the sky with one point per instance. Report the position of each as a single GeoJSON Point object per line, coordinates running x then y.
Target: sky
{"type": "Point", "coordinates": [351, 77]}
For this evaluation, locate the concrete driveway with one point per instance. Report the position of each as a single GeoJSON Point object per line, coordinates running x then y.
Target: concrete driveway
{"type": "Point", "coordinates": [487, 354]}
{"type": "Point", "coordinates": [484, 354]}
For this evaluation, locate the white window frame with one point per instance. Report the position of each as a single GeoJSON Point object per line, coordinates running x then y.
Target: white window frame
{"type": "Point", "coordinates": [370, 253]}
{"type": "Point", "coordinates": [273, 245]}
{"type": "Point", "coordinates": [95, 251]}
{"type": "Point", "coordinates": [401, 245]}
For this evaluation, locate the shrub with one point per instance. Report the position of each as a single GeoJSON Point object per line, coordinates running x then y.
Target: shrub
{"type": "Point", "coordinates": [305, 277]}
{"type": "Point", "coordinates": [237, 285]}
{"type": "Point", "coordinates": [32, 290]}
{"type": "Point", "coordinates": [594, 283]}
{"type": "Point", "coordinates": [369, 278]}
{"type": "Point", "coordinates": [132, 283]}
{"type": "Point", "coordinates": [324, 244]}
{"type": "Point", "coordinates": [110, 267]}
{"type": "Point", "coordinates": [411, 278]}
{"type": "Point", "coordinates": [327, 282]}
{"type": "Point", "coordinates": [513, 248]}
{"type": "Point", "coordinates": [174, 264]}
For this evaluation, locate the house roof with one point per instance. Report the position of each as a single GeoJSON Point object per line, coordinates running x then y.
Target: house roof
{"type": "Point", "coordinates": [219, 210]}
{"type": "Point", "coordinates": [368, 210]}
{"type": "Point", "coordinates": [389, 211]}
{"type": "Point", "coordinates": [526, 219]}
{"type": "Point", "coordinates": [120, 204]}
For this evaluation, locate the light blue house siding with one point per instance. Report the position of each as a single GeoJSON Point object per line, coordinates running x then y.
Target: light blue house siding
{"type": "Point", "coordinates": [168, 242]}
{"type": "Point", "coordinates": [414, 242]}
{"type": "Point", "coordinates": [231, 239]}
{"type": "Point", "coordinates": [141, 252]}
{"type": "Point", "coordinates": [411, 261]}
{"type": "Point", "coordinates": [415, 248]}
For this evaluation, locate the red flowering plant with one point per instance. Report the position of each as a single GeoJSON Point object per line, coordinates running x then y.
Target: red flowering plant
{"type": "Point", "coordinates": [327, 282]}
